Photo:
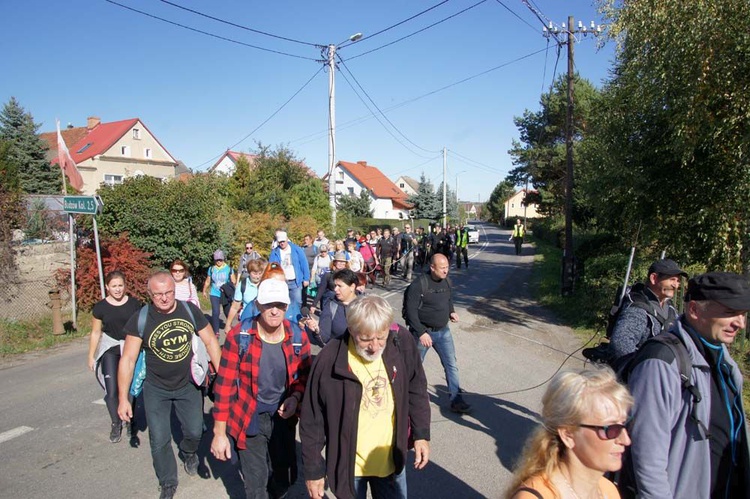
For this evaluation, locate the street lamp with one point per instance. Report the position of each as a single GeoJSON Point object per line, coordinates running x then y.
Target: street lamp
{"type": "Point", "coordinates": [332, 123]}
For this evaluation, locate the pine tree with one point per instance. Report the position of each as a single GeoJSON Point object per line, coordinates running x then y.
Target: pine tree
{"type": "Point", "coordinates": [28, 151]}
{"type": "Point", "coordinates": [451, 203]}
{"type": "Point", "coordinates": [427, 205]}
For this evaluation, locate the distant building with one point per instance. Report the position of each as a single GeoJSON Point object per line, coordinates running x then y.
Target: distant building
{"type": "Point", "coordinates": [388, 201]}
{"type": "Point", "coordinates": [228, 162]}
{"type": "Point", "coordinates": [515, 208]}
{"type": "Point", "coordinates": [408, 185]}
{"type": "Point", "coordinates": [108, 153]}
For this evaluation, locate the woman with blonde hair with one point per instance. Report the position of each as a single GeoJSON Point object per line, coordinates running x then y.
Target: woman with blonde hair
{"type": "Point", "coordinates": [582, 436]}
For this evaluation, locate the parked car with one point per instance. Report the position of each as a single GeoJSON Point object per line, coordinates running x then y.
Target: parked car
{"type": "Point", "coordinates": [473, 234]}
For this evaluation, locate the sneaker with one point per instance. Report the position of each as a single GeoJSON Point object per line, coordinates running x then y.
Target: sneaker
{"type": "Point", "coordinates": [191, 464]}
{"type": "Point", "coordinates": [168, 491]}
{"type": "Point", "coordinates": [115, 434]}
{"type": "Point", "coordinates": [459, 406]}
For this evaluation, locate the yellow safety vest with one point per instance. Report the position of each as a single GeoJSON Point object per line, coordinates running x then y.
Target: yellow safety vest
{"type": "Point", "coordinates": [518, 231]}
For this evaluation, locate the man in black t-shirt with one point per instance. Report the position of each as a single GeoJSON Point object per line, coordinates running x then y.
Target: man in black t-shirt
{"type": "Point", "coordinates": [166, 339]}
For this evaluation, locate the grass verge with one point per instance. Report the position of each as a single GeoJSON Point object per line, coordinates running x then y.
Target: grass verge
{"type": "Point", "coordinates": [18, 337]}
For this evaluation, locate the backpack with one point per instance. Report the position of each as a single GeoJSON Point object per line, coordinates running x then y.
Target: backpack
{"type": "Point", "coordinates": [198, 364]}
{"type": "Point", "coordinates": [633, 297]}
{"type": "Point", "coordinates": [423, 284]}
{"type": "Point", "coordinates": [244, 338]}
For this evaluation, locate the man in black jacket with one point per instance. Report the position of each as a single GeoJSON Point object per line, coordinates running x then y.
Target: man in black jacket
{"type": "Point", "coordinates": [373, 370]}
{"type": "Point", "coordinates": [429, 308]}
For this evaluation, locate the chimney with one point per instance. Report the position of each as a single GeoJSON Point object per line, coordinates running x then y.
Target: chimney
{"type": "Point", "coordinates": [70, 125]}
{"type": "Point", "coordinates": [363, 163]}
{"type": "Point", "coordinates": [92, 122]}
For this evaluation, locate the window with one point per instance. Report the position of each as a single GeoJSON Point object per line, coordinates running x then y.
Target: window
{"type": "Point", "coordinates": [340, 176]}
{"type": "Point", "coordinates": [79, 151]}
{"type": "Point", "coordinates": [401, 185]}
{"type": "Point", "coordinates": [351, 191]}
{"type": "Point", "coordinates": [512, 205]}
{"type": "Point", "coordinates": [125, 150]}
{"type": "Point", "coordinates": [136, 134]}
{"type": "Point", "coordinates": [112, 179]}
{"type": "Point", "coordinates": [147, 153]}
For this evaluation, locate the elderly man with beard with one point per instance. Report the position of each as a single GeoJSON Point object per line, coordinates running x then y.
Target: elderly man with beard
{"type": "Point", "coordinates": [374, 369]}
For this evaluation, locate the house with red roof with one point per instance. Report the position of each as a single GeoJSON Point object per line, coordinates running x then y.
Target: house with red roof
{"type": "Point", "coordinates": [228, 162]}
{"type": "Point", "coordinates": [388, 201]}
{"type": "Point", "coordinates": [108, 153]}
{"type": "Point", "coordinates": [516, 207]}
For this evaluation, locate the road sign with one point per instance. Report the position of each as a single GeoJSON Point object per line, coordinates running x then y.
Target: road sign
{"type": "Point", "coordinates": [89, 205]}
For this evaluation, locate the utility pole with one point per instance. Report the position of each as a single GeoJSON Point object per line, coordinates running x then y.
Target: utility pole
{"type": "Point", "coordinates": [567, 285]}
{"type": "Point", "coordinates": [332, 132]}
{"type": "Point", "coordinates": [445, 204]}
{"type": "Point", "coordinates": [331, 63]}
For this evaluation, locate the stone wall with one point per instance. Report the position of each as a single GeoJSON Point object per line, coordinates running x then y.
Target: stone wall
{"type": "Point", "coordinates": [36, 264]}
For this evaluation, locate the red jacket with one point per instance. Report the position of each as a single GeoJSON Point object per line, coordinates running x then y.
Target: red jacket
{"type": "Point", "coordinates": [236, 405]}
{"type": "Point", "coordinates": [331, 407]}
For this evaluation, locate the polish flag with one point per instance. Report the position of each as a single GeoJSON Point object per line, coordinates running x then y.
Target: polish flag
{"type": "Point", "coordinates": [66, 162]}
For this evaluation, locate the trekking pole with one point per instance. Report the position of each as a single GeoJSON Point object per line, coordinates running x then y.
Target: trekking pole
{"type": "Point", "coordinates": [630, 267]}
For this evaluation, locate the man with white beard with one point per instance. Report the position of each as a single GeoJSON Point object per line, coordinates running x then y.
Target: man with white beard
{"type": "Point", "coordinates": [375, 367]}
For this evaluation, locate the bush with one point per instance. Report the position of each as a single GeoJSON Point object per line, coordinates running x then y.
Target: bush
{"type": "Point", "coordinates": [118, 254]}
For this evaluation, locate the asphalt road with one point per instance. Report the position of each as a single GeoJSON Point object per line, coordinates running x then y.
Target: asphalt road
{"type": "Point", "coordinates": [54, 427]}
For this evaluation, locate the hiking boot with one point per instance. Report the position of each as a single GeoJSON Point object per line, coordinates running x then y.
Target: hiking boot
{"type": "Point", "coordinates": [115, 434]}
{"type": "Point", "coordinates": [168, 491]}
{"type": "Point", "coordinates": [191, 464]}
{"type": "Point", "coordinates": [459, 406]}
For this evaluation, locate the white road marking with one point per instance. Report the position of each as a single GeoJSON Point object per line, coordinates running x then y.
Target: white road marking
{"type": "Point", "coordinates": [99, 402]}
{"type": "Point", "coordinates": [15, 432]}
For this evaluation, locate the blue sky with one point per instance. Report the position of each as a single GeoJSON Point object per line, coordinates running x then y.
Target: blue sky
{"type": "Point", "coordinates": [201, 95]}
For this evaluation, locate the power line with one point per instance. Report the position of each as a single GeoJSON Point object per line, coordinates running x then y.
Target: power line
{"type": "Point", "coordinates": [419, 31]}
{"type": "Point", "coordinates": [380, 111]}
{"type": "Point", "coordinates": [239, 25]}
{"type": "Point", "coordinates": [362, 119]}
{"type": "Point", "coordinates": [474, 163]}
{"type": "Point", "coordinates": [267, 119]}
{"type": "Point", "coordinates": [537, 13]}
{"type": "Point", "coordinates": [378, 118]}
{"type": "Point", "coordinates": [369, 37]}
{"type": "Point", "coordinates": [519, 17]}
{"type": "Point", "coordinates": [152, 16]}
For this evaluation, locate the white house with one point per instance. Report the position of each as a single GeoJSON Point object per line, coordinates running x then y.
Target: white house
{"type": "Point", "coordinates": [408, 185]}
{"type": "Point", "coordinates": [388, 201]}
{"type": "Point", "coordinates": [515, 208]}
{"type": "Point", "coordinates": [228, 162]}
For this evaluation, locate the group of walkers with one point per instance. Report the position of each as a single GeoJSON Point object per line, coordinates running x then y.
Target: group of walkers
{"type": "Point", "coordinates": [364, 399]}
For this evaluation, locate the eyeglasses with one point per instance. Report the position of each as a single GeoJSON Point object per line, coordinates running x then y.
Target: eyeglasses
{"type": "Point", "coordinates": [606, 432]}
{"type": "Point", "coordinates": [177, 271]}
{"type": "Point", "coordinates": [159, 296]}
{"type": "Point", "coordinates": [248, 247]}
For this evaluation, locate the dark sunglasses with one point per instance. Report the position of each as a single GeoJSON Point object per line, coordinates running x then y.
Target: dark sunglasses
{"type": "Point", "coordinates": [248, 247]}
{"type": "Point", "coordinates": [174, 271]}
{"type": "Point", "coordinates": [607, 432]}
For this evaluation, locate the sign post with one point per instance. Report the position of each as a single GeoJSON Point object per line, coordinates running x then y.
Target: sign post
{"type": "Point", "coordinates": [88, 205]}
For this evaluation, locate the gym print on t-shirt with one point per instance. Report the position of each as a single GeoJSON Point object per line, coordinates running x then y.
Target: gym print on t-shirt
{"type": "Point", "coordinates": [171, 340]}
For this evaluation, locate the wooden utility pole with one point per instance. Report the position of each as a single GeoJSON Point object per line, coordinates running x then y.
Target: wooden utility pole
{"type": "Point", "coordinates": [569, 262]}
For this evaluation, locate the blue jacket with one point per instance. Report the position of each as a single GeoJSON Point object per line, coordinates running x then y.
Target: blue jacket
{"type": "Point", "coordinates": [299, 260]}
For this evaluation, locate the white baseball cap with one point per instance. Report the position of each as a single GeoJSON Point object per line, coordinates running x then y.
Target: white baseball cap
{"type": "Point", "coordinates": [273, 291]}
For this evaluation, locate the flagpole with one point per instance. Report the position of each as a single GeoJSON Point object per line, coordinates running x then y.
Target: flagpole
{"type": "Point", "coordinates": [71, 225]}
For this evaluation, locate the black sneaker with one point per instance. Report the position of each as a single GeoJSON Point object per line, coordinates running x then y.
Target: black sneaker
{"type": "Point", "coordinates": [115, 434]}
{"type": "Point", "coordinates": [191, 464]}
{"type": "Point", "coordinates": [168, 491]}
{"type": "Point", "coordinates": [459, 406]}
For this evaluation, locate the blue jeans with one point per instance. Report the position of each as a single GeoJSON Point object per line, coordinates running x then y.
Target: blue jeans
{"type": "Point", "coordinates": [442, 342]}
{"type": "Point", "coordinates": [389, 487]}
{"type": "Point", "coordinates": [188, 405]}
{"type": "Point", "coordinates": [295, 294]}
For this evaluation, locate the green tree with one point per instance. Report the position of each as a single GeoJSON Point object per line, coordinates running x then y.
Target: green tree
{"type": "Point", "coordinates": [671, 147]}
{"type": "Point", "coordinates": [275, 174]}
{"type": "Point", "coordinates": [308, 198]}
{"type": "Point", "coordinates": [540, 154]}
{"type": "Point", "coordinates": [27, 151]}
{"type": "Point", "coordinates": [11, 207]}
{"type": "Point", "coordinates": [451, 203]}
{"type": "Point", "coordinates": [496, 202]}
{"type": "Point", "coordinates": [356, 206]}
{"type": "Point", "coordinates": [239, 185]}
{"type": "Point", "coordinates": [427, 205]}
{"type": "Point", "coordinates": [176, 219]}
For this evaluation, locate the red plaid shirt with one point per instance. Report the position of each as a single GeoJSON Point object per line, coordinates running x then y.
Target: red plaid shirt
{"type": "Point", "coordinates": [237, 406]}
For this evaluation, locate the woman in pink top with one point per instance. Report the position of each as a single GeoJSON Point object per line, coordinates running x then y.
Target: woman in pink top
{"type": "Point", "coordinates": [184, 289]}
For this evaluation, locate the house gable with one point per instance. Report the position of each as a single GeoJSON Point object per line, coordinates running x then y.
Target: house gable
{"type": "Point", "coordinates": [388, 200]}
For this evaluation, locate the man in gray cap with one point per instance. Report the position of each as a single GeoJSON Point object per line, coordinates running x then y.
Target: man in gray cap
{"type": "Point", "coordinates": [649, 310]}
{"type": "Point", "coordinates": [688, 432]}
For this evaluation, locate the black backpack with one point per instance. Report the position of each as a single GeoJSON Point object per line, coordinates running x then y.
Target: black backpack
{"type": "Point", "coordinates": [633, 297]}
{"type": "Point", "coordinates": [423, 284]}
